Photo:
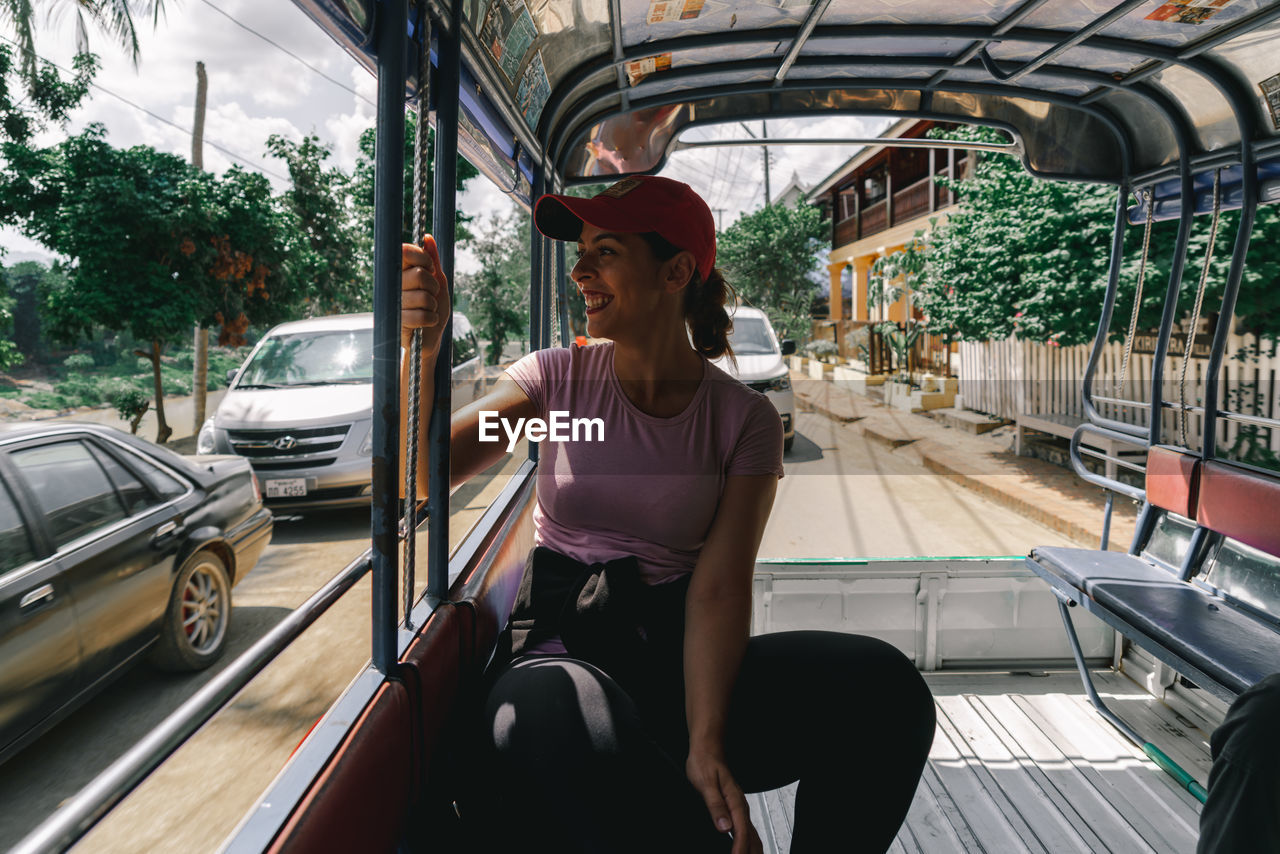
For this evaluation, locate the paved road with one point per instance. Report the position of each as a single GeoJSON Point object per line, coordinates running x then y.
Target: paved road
{"type": "Point", "coordinates": [196, 798]}
{"type": "Point", "coordinates": [843, 495]}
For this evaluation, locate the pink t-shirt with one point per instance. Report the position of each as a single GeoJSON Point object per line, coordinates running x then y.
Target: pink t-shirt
{"type": "Point", "coordinates": [650, 488]}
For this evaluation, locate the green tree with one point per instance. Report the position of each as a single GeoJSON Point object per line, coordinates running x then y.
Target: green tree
{"type": "Point", "coordinates": [153, 245]}
{"type": "Point", "coordinates": [498, 295]}
{"type": "Point", "coordinates": [768, 255]}
{"type": "Point", "coordinates": [113, 16]}
{"type": "Point", "coordinates": [362, 184]}
{"type": "Point", "coordinates": [1031, 256]}
{"type": "Point", "coordinates": [893, 277]}
{"type": "Point", "coordinates": [1021, 254]}
{"type": "Point", "coordinates": [330, 260]}
{"type": "Point", "coordinates": [47, 97]}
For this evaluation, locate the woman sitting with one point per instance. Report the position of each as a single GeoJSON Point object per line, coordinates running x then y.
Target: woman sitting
{"type": "Point", "coordinates": [628, 709]}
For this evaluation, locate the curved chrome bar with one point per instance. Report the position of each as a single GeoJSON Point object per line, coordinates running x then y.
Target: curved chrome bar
{"type": "Point", "coordinates": [1077, 461]}
{"type": "Point", "coordinates": [1104, 323]}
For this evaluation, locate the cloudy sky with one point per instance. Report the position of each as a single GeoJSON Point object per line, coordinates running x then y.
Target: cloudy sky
{"type": "Point", "coordinates": [257, 89]}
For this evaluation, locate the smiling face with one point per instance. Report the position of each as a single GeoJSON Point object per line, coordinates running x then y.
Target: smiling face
{"type": "Point", "coordinates": [624, 284]}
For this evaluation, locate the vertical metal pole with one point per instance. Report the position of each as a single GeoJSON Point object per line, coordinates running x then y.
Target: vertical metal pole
{"type": "Point", "coordinates": [444, 203]}
{"type": "Point", "coordinates": [536, 244]}
{"type": "Point", "coordinates": [548, 282]}
{"type": "Point", "coordinates": [562, 287]}
{"type": "Point", "coordinates": [388, 204]}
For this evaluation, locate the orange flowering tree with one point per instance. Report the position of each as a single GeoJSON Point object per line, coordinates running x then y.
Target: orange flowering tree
{"type": "Point", "coordinates": [153, 245]}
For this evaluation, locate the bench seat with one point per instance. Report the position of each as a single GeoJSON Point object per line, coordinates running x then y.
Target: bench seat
{"type": "Point", "coordinates": [1222, 648]}
{"type": "Point", "coordinates": [1082, 569]}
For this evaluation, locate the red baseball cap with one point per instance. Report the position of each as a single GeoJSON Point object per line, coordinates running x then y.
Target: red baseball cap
{"type": "Point", "coordinates": [638, 204]}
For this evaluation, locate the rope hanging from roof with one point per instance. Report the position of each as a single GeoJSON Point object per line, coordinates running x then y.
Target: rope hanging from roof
{"type": "Point", "coordinates": [1195, 312]}
{"type": "Point", "coordinates": [1137, 296]}
{"type": "Point", "coordinates": [421, 210]}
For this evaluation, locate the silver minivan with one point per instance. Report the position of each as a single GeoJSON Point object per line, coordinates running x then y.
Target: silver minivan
{"type": "Point", "coordinates": [301, 409]}
{"type": "Point", "coordinates": [761, 365]}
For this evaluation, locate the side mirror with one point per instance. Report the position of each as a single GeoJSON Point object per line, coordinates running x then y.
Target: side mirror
{"type": "Point", "coordinates": [231, 374]}
{"type": "Point", "coordinates": [788, 346]}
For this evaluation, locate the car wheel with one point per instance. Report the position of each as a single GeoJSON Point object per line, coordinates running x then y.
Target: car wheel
{"type": "Point", "coordinates": [787, 443]}
{"type": "Point", "coordinates": [199, 615]}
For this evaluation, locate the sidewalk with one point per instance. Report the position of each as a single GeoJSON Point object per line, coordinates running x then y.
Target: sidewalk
{"type": "Point", "coordinates": [179, 413]}
{"type": "Point", "coordinates": [1041, 491]}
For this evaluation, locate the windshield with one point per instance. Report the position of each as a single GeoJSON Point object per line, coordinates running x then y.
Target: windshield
{"type": "Point", "coordinates": [750, 337]}
{"type": "Point", "coordinates": [312, 358]}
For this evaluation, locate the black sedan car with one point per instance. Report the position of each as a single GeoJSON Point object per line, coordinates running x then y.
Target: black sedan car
{"type": "Point", "coordinates": [112, 547]}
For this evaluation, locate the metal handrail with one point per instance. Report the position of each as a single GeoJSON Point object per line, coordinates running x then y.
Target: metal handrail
{"type": "Point", "coordinates": [1120, 401]}
{"type": "Point", "coordinates": [77, 816]}
{"type": "Point", "coordinates": [1225, 414]}
{"type": "Point", "coordinates": [1077, 461]}
{"type": "Point", "coordinates": [1105, 457]}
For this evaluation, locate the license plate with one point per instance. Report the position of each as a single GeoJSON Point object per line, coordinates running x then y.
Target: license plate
{"type": "Point", "coordinates": [292, 487]}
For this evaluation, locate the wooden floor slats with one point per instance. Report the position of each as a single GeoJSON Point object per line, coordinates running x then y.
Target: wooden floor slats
{"type": "Point", "coordinates": [1023, 763]}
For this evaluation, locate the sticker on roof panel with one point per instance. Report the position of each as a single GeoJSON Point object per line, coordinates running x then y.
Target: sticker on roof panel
{"type": "Point", "coordinates": [1271, 93]}
{"type": "Point", "coordinates": [507, 32]}
{"type": "Point", "coordinates": [1188, 11]}
{"type": "Point", "coordinates": [639, 69]}
{"type": "Point", "coordinates": [665, 11]}
{"type": "Point", "coordinates": [534, 91]}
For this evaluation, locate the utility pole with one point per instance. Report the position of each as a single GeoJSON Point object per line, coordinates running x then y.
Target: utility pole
{"type": "Point", "coordinates": [764, 149]}
{"type": "Point", "coordinates": [719, 219]}
{"type": "Point", "coordinates": [200, 377]}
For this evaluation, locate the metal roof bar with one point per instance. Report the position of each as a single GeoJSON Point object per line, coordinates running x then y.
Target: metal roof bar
{"type": "Point", "coordinates": [995, 89]}
{"type": "Point", "coordinates": [1018, 16]}
{"type": "Point", "coordinates": [1162, 104]}
{"type": "Point", "coordinates": [1245, 25]}
{"type": "Point", "coordinates": [615, 28]}
{"type": "Point", "coordinates": [566, 90]}
{"type": "Point", "coordinates": [806, 29]}
{"type": "Point", "coordinates": [1062, 47]}
{"type": "Point", "coordinates": [999, 147]}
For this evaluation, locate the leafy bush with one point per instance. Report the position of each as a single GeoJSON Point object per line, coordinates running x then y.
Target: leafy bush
{"type": "Point", "coordinates": [822, 347]}
{"type": "Point", "coordinates": [130, 402]}
{"type": "Point", "coordinates": [46, 400]}
{"type": "Point", "coordinates": [173, 383]}
{"type": "Point", "coordinates": [80, 390]}
{"type": "Point", "coordinates": [78, 362]}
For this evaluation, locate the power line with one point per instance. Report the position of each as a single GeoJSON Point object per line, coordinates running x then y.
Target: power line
{"type": "Point", "coordinates": [239, 158]}
{"type": "Point", "coordinates": [286, 51]}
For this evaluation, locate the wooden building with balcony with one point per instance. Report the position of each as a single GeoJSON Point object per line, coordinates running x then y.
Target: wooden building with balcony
{"type": "Point", "coordinates": [877, 201]}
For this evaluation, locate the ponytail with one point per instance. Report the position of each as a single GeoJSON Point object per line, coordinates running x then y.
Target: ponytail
{"type": "Point", "coordinates": [705, 313]}
{"type": "Point", "coordinates": [704, 303]}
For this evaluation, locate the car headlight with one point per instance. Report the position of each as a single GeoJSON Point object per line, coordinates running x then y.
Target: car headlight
{"type": "Point", "coordinates": [366, 447]}
{"type": "Point", "coordinates": [782, 383]}
{"type": "Point", "coordinates": [204, 442]}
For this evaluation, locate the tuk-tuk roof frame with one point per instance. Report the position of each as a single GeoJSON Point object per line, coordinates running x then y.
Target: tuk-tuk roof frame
{"type": "Point", "coordinates": [1138, 98]}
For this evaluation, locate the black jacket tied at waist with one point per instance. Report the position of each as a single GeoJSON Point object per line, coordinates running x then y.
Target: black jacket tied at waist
{"type": "Point", "coordinates": [606, 615]}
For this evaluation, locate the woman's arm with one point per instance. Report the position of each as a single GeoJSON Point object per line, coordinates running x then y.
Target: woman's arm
{"type": "Point", "coordinates": [425, 305]}
{"type": "Point", "coordinates": [717, 623]}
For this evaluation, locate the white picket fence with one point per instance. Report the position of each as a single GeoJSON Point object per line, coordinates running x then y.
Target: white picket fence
{"type": "Point", "coordinates": [1005, 378]}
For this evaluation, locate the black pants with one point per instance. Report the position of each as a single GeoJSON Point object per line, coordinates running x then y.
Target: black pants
{"type": "Point", "coordinates": [574, 765]}
{"type": "Point", "coordinates": [1242, 812]}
